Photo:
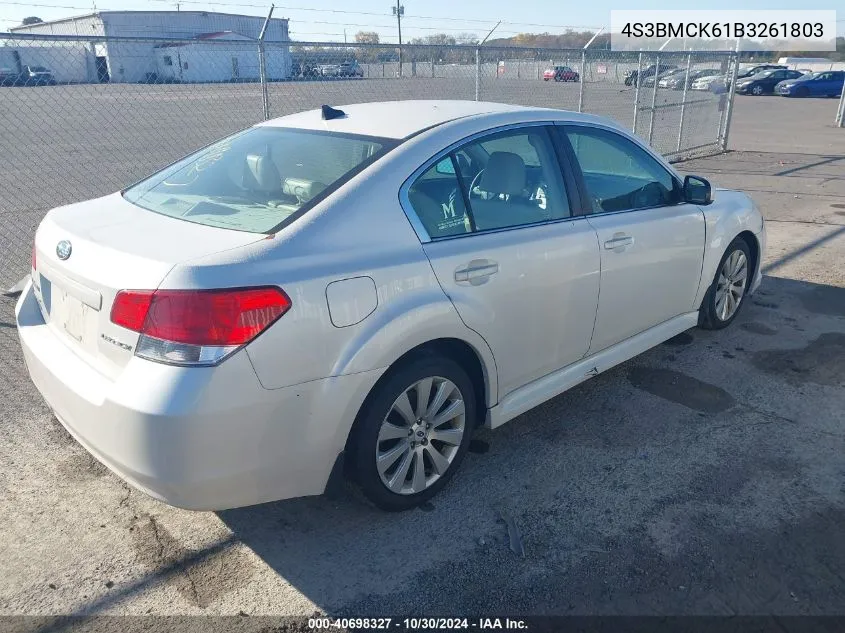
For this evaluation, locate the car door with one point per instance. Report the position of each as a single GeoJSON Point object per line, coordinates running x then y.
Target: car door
{"type": "Point", "coordinates": [772, 80]}
{"type": "Point", "coordinates": [818, 84]}
{"type": "Point", "coordinates": [825, 84]}
{"type": "Point", "coordinates": [497, 224]}
{"type": "Point", "coordinates": [833, 83]}
{"type": "Point", "coordinates": [651, 243]}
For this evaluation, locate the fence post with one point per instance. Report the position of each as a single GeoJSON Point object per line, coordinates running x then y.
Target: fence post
{"type": "Point", "coordinates": [637, 91]}
{"type": "Point", "coordinates": [729, 112]}
{"type": "Point", "coordinates": [262, 66]}
{"type": "Point", "coordinates": [684, 102]}
{"type": "Point", "coordinates": [583, 78]}
{"type": "Point", "coordinates": [478, 73]}
{"type": "Point", "coordinates": [653, 99]}
{"type": "Point", "coordinates": [840, 113]}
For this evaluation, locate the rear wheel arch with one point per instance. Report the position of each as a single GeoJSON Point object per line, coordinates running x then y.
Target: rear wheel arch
{"type": "Point", "coordinates": [457, 350]}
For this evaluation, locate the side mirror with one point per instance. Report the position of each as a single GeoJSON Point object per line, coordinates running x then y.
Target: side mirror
{"type": "Point", "coordinates": [697, 190]}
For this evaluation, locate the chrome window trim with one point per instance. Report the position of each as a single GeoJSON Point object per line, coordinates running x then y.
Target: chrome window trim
{"type": "Point", "coordinates": [413, 218]}
{"type": "Point", "coordinates": [633, 139]}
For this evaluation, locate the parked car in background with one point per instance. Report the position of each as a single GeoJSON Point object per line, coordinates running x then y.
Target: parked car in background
{"type": "Point", "coordinates": [828, 83]}
{"type": "Point", "coordinates": [344, 69]}
{"type": "Point", "coordinates": [304, 70]}
{"type": "Point", "coordinates": [764, 82]}
{"type": "Point", "coordinates": [665, 71]}
{"type": "Point", "coordinates": [36, 76]}
{"type": "Point", "coordinates": [351, 69]}
{"type": "Point", "coordinates": [749, 71]}
{"type": "Point", "coordinates": [8, 77]}
{"type": "Point", "coordinates": [680, 80]}
{"type": "Point", "coordinates": [707, 82]}
{"type": "Point", "coordinates": [560, 73]}
{"type": "Point", "coordinates": [663, 78]}
{"type": "Point", "coordinates": [632, 75]}
{"type": "Point", "coordinates": [358, 291]}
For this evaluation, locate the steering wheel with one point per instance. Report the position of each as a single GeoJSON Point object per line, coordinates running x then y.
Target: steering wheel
{"type": "Point", "coordinates": [646, 196]}
{"type": "Point", "coordinates": [483, 195]}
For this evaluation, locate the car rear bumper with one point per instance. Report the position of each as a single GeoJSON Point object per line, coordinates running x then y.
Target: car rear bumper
{"type": "Point", "coordinates": [198, 438]}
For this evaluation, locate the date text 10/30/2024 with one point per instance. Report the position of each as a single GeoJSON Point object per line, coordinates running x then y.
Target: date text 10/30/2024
{"type": "Point", "coordinates": [417, 624]}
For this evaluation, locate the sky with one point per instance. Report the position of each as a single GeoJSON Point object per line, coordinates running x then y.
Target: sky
{"type": "Point", "coordinates": [331, 20]}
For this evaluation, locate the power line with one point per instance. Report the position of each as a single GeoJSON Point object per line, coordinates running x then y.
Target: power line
{"type": "Point", "coordinates": [44, 6]}
{"type": "Point", "coordinates": [334, 11]}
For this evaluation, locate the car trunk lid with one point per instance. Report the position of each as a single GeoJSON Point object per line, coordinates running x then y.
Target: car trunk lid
{"type": "Point", "coordinates": [87, 252]}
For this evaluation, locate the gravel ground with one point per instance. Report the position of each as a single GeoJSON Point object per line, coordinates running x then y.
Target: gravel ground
{"type": "Point", "coordinates": [703, 477]}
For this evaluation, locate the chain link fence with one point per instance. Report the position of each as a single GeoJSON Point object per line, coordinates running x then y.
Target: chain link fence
{"type": "Point", "coordinates": [82, 117]}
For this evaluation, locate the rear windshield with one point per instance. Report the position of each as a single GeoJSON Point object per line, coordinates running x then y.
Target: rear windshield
{"type": "Point", "coordinates": [257, 180]}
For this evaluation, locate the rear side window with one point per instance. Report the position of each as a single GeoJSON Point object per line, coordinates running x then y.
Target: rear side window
{"type": "Point", "coordinates": [257, 180]}
{"type": "Point", "coordinates": [438, 201]}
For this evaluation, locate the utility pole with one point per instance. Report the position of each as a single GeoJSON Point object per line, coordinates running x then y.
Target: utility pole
{"type": "Point", "coordinates": [399, 11]}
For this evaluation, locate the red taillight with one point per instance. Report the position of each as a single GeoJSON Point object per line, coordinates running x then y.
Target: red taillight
{"type": "Point", "coordinates": [130, 308]}
{"type": "Point", "coordinates": [221, 318]}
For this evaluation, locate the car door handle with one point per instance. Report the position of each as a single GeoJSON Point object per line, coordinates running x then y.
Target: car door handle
{"type": "Point", "coordinates": [619, 240]}
{"type": "Point", "coordinates": [476, 272]}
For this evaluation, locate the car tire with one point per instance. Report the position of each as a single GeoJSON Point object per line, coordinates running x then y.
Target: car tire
{"type": "Point", "coordinates": [757, 91]}
{"type": "Point", "coordinates": [384, 460]}
{"type": "Point", "coordinates": [721, 303]}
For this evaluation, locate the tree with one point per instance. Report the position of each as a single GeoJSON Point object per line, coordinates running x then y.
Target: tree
{"type": "Point", "coordinates": [470, 39]}
{"type": "Point", "coordinates": [31, 20]}
{"type": "Point", "coordinates": [366, 37]}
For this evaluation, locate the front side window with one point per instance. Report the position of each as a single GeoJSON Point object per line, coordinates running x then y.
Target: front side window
{"type": "Point", "coordinates": [504, 180]}
{"type": "Point", "coordinates": [620, 175]}
{"type": "Point", "coordinates": [256, 180]}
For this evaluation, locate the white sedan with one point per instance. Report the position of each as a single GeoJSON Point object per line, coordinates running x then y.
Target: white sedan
{"type": "Point", "coordinates": [353, 291]}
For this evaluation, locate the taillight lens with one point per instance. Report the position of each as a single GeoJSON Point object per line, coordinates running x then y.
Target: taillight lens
{"type": "Point", "coordinates": [197, 327]}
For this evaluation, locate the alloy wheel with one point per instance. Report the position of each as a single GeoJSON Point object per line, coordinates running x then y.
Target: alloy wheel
{"type": "Point", "coordinates": [730, 287]}
{"type": "Point", "coordinates": [420, 436]}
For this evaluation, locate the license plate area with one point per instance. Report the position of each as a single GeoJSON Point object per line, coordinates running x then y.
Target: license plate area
{"type": "Point", "coordinates": [70, 316]}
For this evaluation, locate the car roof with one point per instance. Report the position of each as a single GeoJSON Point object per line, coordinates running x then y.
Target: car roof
{"type": "Point", "coordinates": [392, 119]}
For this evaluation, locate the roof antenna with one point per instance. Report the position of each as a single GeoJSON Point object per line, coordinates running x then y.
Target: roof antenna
{"type": "Point", "coordinates": [330, 113]}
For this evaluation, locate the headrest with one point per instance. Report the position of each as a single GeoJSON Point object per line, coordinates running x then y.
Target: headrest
{"type": "Point", "coordinates": [303, 190]}
{"type": "Point", "coordinates": [261, 174]}
{"type": "Point", "coordinates": [504, 173]}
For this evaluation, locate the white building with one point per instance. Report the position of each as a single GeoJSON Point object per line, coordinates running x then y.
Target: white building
{"type": "Point", "coordinates": [222, 56]}
{"type": "Point", "coordinates": [216, 40]}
